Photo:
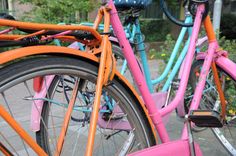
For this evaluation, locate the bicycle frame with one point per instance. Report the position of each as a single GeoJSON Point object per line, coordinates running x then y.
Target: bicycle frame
{"type": "Point", "coordinates": [214, 55]}
{"type": "Point", "coordinates": [34, 50]}
{"type": "Point", "coordinates": [141, 50]}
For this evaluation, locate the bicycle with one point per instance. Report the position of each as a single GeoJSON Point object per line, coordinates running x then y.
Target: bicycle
{"type": "Point", "coordinates": [180, 146]}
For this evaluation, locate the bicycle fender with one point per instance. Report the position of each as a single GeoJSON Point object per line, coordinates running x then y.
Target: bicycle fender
{"type": "Point", "coordinates": [19, 53]}
{"type": "Point", "coordinates": [222, 61]}
{"type": "Point", "coordinates": [227, 65]}
{"type": "Point", "coordinates": [36, 50]}
{"type": "Point", "coordinates": [131, 90]}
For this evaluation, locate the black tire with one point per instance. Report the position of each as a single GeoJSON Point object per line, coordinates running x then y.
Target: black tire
{"type": "Point", "coordinates": [117, 51]}
{"type": "Point", "coordinates": [225, 135]}
{"type": "Point", "coordinates": [26, 69]}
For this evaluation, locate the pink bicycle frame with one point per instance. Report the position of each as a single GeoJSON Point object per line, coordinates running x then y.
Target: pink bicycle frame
{"type": "Point", "coordinates": [181, 146]}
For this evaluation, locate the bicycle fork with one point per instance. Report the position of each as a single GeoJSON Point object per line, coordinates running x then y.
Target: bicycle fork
{"type": "Point", "coordinates": [105, 73]}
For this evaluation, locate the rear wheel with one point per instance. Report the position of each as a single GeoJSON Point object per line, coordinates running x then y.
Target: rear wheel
{"type": "Point", "coordinates": [121, 131]}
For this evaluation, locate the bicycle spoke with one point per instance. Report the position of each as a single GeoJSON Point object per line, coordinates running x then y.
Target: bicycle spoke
{"type": "Point", "coordinates": [127, 144]}
{"type": "Point", "coordinates": [54, 131]}
{"type": "Point", "coordinates": [52, 121]}
{"type": "Point", "coordinates": [6, 140]}
{"type": "Point", "coordinates": [67, 117]}
{"type": "Point", "coordinates": [77, 139]}
{"type": "Point", "coordinates": [11, 113]}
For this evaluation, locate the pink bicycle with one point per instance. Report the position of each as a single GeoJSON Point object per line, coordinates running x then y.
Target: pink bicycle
{"type": "Point", "coordinates": [75, 117]}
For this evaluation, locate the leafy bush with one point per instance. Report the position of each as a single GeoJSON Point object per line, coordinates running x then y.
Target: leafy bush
{"type": "Point", "coordinates": [155, 30]}
{"type": "Point", "coordinates": [55, 11]}
{"type": "Point", "coordinates": [169, 43]}
{"type": "Point", "coordinates": [230, 46]}
{"type": "Point", "coordinates": [165, 49]}
{"type": "Point", "coordinates": [228, 26]}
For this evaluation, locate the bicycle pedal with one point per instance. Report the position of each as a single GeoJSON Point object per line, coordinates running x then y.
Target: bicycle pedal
{"type": "Point", "coordinates": [206, 118]}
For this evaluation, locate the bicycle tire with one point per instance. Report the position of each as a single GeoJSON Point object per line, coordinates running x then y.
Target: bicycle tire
{"type": "Point", "coordinates": [117, 51]}
{"type": "Point", "coordinates": [229, 87]}
{"type": "Point", "coordinates": [26, 69]}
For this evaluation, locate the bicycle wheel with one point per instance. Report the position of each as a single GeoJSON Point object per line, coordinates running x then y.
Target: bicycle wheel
{"type": "Point", "coordinates": [119, 132]}
{"type": "Point", "coordinates": [210, 101]}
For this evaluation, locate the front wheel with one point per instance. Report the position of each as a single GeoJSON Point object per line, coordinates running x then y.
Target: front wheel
{"type": "Point", "coordinates": [121, 129]}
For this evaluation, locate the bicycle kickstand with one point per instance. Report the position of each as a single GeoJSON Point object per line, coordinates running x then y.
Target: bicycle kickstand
{"type": "Point", "coordinates": [190, 134]}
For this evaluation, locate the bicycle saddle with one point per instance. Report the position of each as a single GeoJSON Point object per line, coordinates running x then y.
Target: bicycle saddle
{"type": "Point", "coordinates": [131, 4]}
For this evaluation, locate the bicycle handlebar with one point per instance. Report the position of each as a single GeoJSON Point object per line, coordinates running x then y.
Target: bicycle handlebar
{"type": "Point", "coordinates": [191, 2]}
{"type": "Point", "coordinates": [172, 18]}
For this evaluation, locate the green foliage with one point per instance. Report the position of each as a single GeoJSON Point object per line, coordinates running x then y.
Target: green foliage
{"type": "Point", "coordinates": [170, 3]}
{"type": "Point", "coordinates": [169, 43]}
{"type": "Point", "coordinates": [155, 30]}
{"type": "Point", "coordinates": [229, 46]}
{"type": "Point", "coordinates": [230, 95]}
{"type": "Point", "coordinates": [55, 11]}
{"type": "Point", "coordinates": [165, 49]}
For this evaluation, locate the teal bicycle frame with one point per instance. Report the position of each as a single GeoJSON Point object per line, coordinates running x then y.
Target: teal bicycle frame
{"type": "Point", "coordinates": [167, 69]}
